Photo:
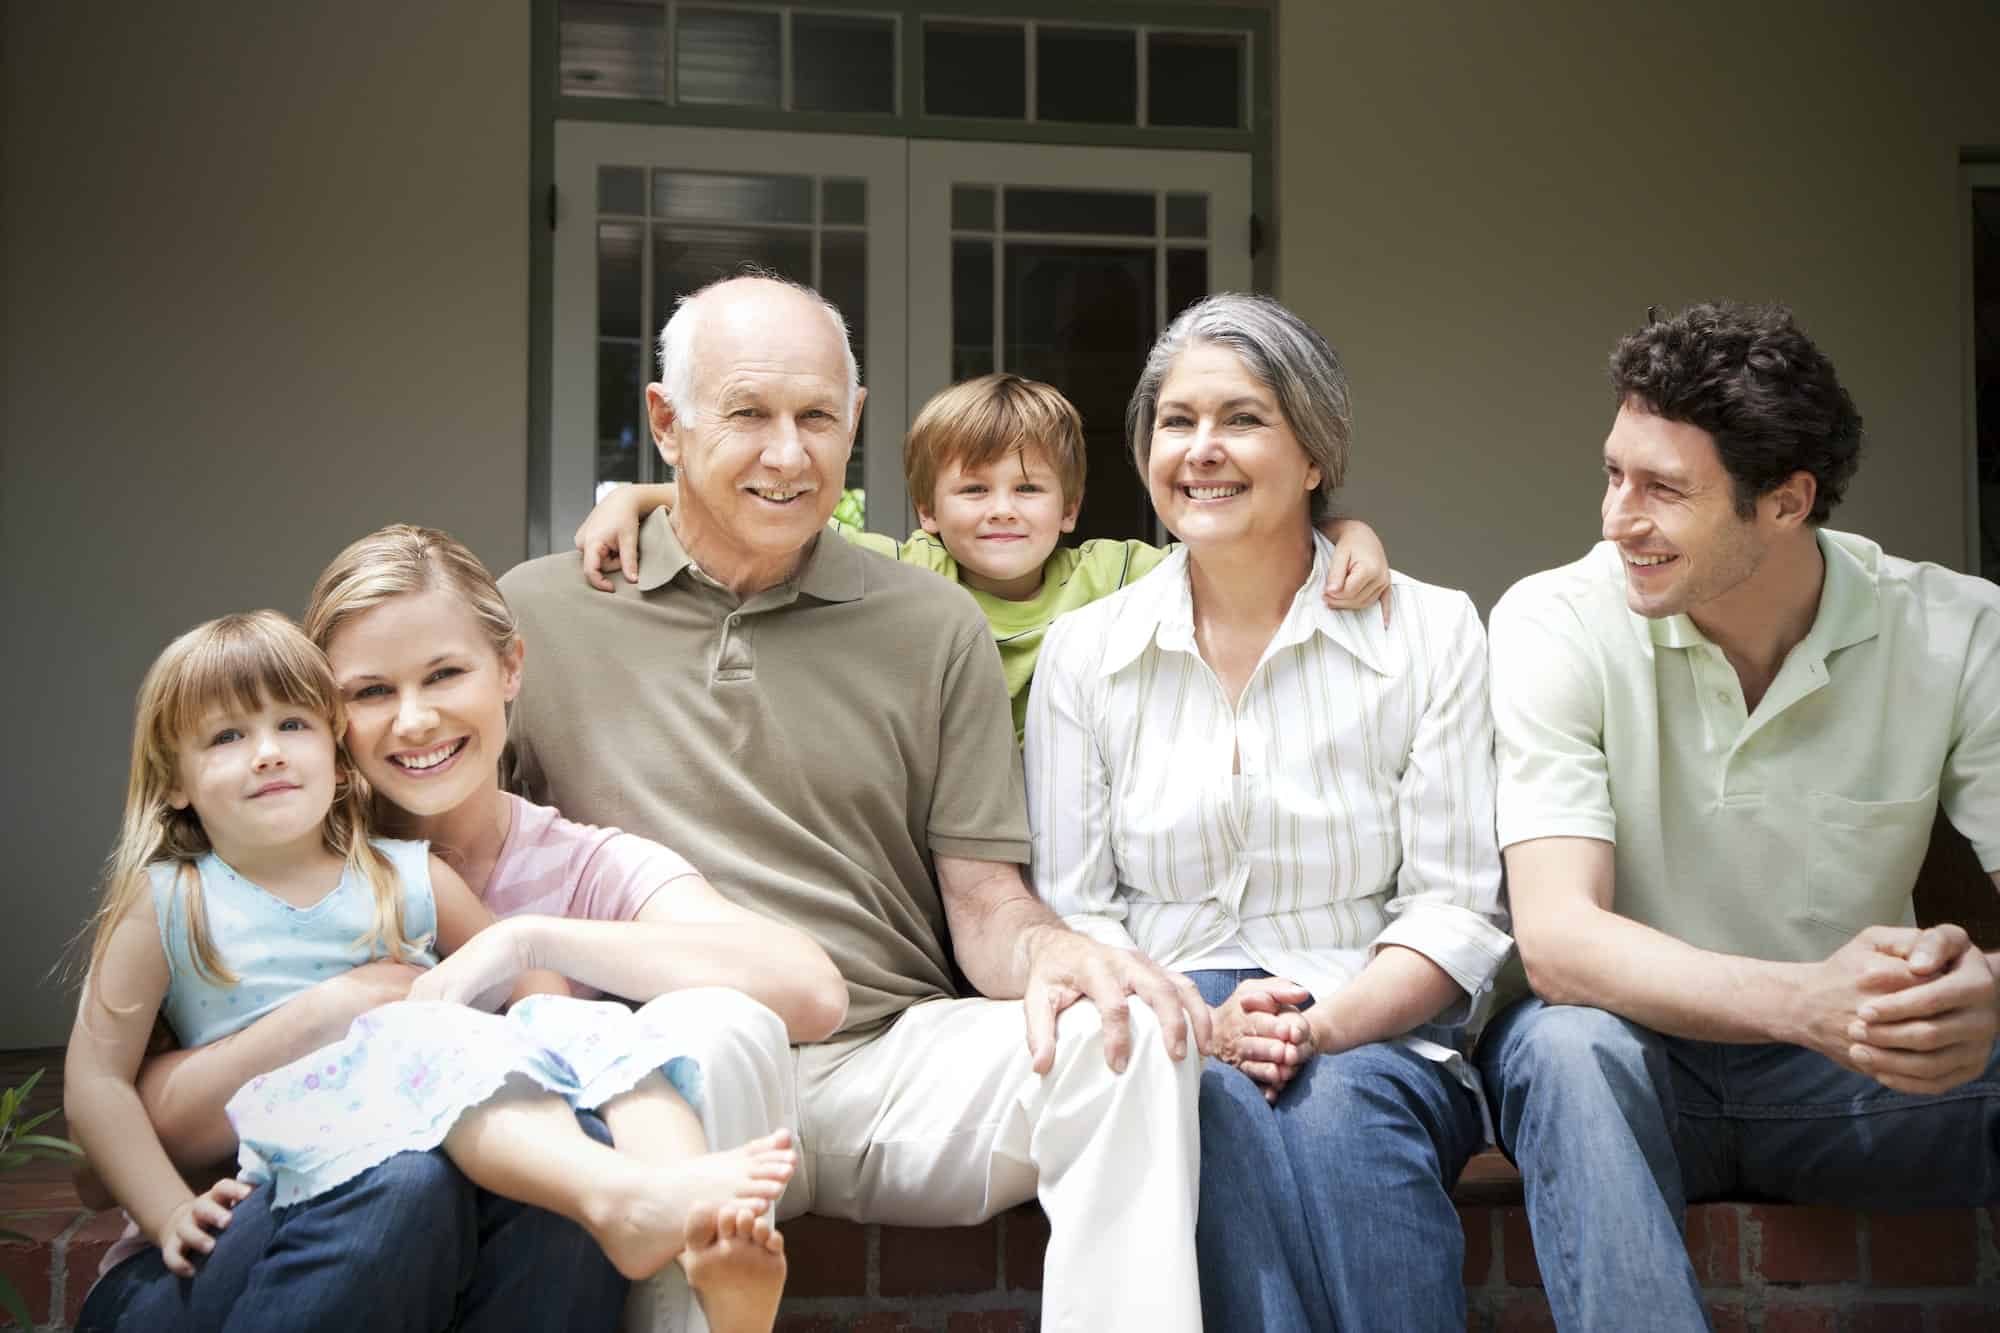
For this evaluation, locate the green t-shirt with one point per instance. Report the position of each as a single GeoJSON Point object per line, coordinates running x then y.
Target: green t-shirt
{"type": "Point", "coordinates": [1073, 576]}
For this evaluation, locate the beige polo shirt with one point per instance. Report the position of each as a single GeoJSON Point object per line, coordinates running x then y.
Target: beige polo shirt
{"type": "Point", "coordinates": [809, 749]}
{"type": "Point", "coordinates": [1777, 833]}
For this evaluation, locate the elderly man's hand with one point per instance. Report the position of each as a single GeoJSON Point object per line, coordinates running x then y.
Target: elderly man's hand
{"type": "Point", "coordinates": [1261, 1030]}
{"type": "Point", "coordinates": [1065, 966]}
{"type": "Point", "coordinates": [1938, 1031]}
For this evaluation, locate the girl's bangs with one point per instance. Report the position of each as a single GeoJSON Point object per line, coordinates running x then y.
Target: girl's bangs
{"type": "Point", "coordinates": [243, 662]}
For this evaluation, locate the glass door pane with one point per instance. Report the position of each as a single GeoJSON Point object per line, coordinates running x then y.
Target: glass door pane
{"type": "Point", "coordinates": [1063, 264]}
{"type": "Point", "coordinates": [648, 214]}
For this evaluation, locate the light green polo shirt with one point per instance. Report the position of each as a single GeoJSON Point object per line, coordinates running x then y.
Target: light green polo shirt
{"type": "Point", "coordinates": [1072, 576]}
{"type": "Point", "coordinates": [811, 749]}
{"type": "Point", "coordinates": [1776, 834]}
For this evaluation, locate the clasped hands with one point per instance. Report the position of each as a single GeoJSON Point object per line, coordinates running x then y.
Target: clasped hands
{"type": "Point", "coordinates": [1915, 1010]}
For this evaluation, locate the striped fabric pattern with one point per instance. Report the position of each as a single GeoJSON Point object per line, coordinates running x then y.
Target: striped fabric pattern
{"type": "Point", "coordinates": [1362, 814]}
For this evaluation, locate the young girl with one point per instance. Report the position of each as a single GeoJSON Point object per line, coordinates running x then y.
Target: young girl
{"type": "Point", "coordinates": [243, 874]}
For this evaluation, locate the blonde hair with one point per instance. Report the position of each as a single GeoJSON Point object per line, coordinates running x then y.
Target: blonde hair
{"type": "Point", "coordinates": [980, 420]}
{"type": "Point", "coordinates": [398, 560]}
{"type": "Point", "coordinates": [237, 662]}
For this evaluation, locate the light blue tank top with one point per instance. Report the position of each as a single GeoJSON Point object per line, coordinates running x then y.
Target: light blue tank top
{"type": "Point", "coordinates": [276, 950]}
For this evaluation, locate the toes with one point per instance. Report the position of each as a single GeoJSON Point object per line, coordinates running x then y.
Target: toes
{"type": "Point", "coordinates": [703, 1222]}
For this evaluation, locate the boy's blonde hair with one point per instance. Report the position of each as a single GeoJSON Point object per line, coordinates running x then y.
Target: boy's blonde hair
{"type": "Point", "coordinates": [975, 422]}
{"type": "Point", "coordinates": [237, 662]}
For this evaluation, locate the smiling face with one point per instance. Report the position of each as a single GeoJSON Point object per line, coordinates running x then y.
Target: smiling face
{"type": "Point", "coordinates": [761, 452]}
{"type": "Point", "coordinates": [259, 780]}
{"type": "Point", "coordinates": [1225, 466]}
{"type": "Point", "coordinates": [1670, 507]}
{"type": "Point", "coordinates": [1000, 520]}
{"type": "Point", "coordinates": [426, 698]}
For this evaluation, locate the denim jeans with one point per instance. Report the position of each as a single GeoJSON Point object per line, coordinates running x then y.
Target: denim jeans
{"type": "Point", "coordinates": [1617, 1129]}
{"type": "Point", "coordinates": [409, 1246]}
{"type": "Point", "coordinates": [1332, 1209]}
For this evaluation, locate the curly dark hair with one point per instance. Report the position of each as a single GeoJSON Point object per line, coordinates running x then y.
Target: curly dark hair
{"type": "Point", "coordinates": [1751, 378]}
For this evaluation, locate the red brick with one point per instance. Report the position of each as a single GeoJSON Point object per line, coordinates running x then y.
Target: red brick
{"type": "Point", "coordinates": [1714, 1234]}
{"type": "Point", "coordinates": [1939, 1249]}
{"type": "Point", "coordinates": [86, 1251]}
{"type": "Point", "coordinates": [1801, 1319]}
{"type": "Point", "coordinates": [1517, 1244]}
{"type": "Point", "coordinates": [1489, 1180]}
{"type": "Point", "coordinates": [930, 1260]}
{"type": "Point", "coordinates": [988, 1321]}
{"type": "Point", "coordinates": [886, 1321]}
{"type": "Point", "coordinates": [1880, 1318]}
{"type": "Point", "coordinates": [27, 1264]}
{"type": "Point", "coordinates": [1728, 1318]}
{"type": "Point", "coordinates": [1976, 1318]}
{"type": "Point", "coordinates": [1526, 1313]}
{"type": "Point", "coordinates": [1478, 1226]}
{"type": "Point", "coordinates": [1808, 1244]}
{"type": "Point", "coordinates": [825, 1257]}
{"type": "Point", "coordinates": [1025, 1241]}
{"type": "Point", "coordinates": [805, 1323]}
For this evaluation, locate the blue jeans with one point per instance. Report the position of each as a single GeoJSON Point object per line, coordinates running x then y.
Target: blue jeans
{"type": "Point", "coordinates": [1332, 1209]}
{"type": "Point", "coordinates": [1617, 1129]}
{"type": "Point", "coordinates": [409, 1246]}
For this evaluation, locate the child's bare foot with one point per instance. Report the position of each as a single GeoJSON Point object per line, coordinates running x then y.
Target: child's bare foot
{"type": "Point", "coordinates": [735, 1262]}
{"type": "Point", "coordinates": [644, 1222]}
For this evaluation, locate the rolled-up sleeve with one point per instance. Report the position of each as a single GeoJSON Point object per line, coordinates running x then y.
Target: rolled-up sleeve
{"type": "Point", "coordinates": [1548, 716]}
{"type": "Point", "coordinates": [1447, 903]}
{"type": "Point", "coordinates": [1069, 793]}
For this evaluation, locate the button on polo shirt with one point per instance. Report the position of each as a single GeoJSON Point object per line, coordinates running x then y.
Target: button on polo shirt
{"type": "Point", "coordinates": [1776, 832]}
{"type": "Point", "coordinates": [811, 748]}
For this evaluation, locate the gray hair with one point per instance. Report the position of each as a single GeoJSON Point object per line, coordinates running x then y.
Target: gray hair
{"type": "Point", "coordinates": [1285, 354]}
{"type": "Point", "coordinates": [676, 344]}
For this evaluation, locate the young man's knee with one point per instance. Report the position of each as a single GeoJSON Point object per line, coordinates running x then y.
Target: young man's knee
{"type": "Point", "coordinates": [1568, 1042]}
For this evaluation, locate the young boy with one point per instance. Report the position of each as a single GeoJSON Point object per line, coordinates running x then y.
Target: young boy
{"type": "Point", "coordinates": [995, 469]}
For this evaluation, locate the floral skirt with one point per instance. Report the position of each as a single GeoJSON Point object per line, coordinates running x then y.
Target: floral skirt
{"type": "Point", "coordinates": [405, 1073]}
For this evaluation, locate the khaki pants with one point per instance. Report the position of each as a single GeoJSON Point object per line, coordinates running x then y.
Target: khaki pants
{"type": "Point", "coordinates": [937, 1120]}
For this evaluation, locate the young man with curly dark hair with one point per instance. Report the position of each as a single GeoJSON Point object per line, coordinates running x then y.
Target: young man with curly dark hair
{"type": "Point", "coordinates": [1723, 736]}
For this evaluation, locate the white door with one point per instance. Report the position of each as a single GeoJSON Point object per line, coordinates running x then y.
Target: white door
{"type": "Point", "coordinates": [1063, 264]}
{"type": "Point", "coordinates": [649, 213]}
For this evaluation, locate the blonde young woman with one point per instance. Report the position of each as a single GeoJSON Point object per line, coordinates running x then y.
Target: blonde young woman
{"type": "Point", "coordinates": [426, 657]}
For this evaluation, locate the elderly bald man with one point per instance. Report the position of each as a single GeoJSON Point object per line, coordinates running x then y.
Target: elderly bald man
{"type": "Point", "coordinates": [826, 734]}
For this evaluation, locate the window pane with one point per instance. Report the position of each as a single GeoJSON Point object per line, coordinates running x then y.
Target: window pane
{"type": "Point", "coordinates": [618, 280]}
{"type": "Point", "coordinates": [1187, 215]}
{"type": "Point", "coordinates": [614, 48]}
{"type": "Point", "coordinates": [975, 69]}
{"type": "Point", "coordinates": [1087, 74]}
{"type": "Point", "coordinates": [843, 203]}
{"type": "Point", "coordinates": [621, 190]}
{"type": "Point", "coordinates": [843, 63]}
{"type": "Point", "coordinates": [708, 196]}
{"type": "Point", "coordinates": [843, 280]}
{"type": "Point", "coordinates": [726, 56]}
{"type": "Point", "coordinates": [971, 309]}
{"type": "Point", "coordinates": [1187, 279]}
{"type": "Point", "coordinates": [688, 258]}
{"type": "Point", "coordinates": [1081, 317]}
{"type": "Point", "coordinates": [620, 384]}
{"type": "Point", "coordinates": [1084, 212]}
{"type": "Point", "coordinates": [1195, 79]}
{"type": "Point", "coordinates": [972, 207]}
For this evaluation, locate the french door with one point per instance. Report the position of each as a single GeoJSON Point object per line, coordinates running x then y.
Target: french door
{"type": "Point", "coordinates": [949, 259]}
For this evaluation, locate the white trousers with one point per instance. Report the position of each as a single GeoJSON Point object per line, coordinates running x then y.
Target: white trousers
{"type": "Point", "coordinates": [937, 1120]}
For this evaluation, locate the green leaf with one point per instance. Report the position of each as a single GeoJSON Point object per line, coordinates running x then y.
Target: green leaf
{"type": "Point", "coordinates": [29, 1086]}
{"type": "Point", "coordinates": [32, 1121]}
{"type": "Point", "coordinates": [49, 1143]}
{"type": "Point", "coordinates": [6, 1234]}
{"type": "Point", "coordinates": [11, 1159]}
{"type": "Point", "coordinates": [10, 1300]}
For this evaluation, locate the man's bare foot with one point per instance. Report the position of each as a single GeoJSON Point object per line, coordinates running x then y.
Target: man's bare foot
{"type": "Point", "coordinates": [643, 1223]}
{"type": "Point", "coordinates": [735, 1263]}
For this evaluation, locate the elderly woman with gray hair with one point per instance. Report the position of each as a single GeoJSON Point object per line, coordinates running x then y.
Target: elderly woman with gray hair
{"type": "Point", "coordinates": [1294, 806]}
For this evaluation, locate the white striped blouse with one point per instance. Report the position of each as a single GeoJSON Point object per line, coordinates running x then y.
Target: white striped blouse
{"type": "Point", "coordinates": [1363, 814]}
